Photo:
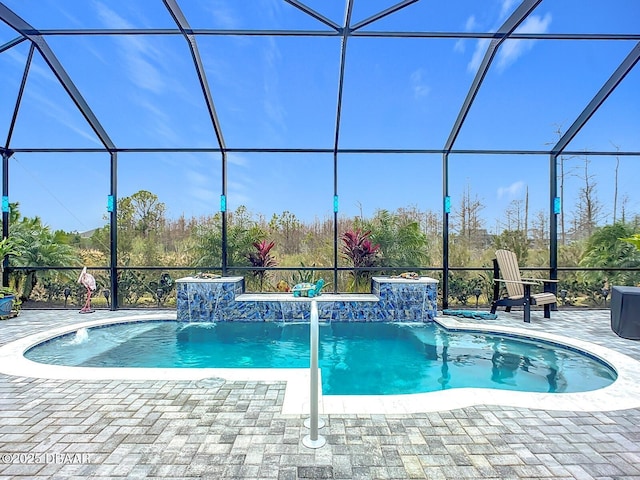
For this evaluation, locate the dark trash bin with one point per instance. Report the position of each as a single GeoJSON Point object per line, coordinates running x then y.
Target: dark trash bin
{"type": "Point", "coordinates": [625, 312]}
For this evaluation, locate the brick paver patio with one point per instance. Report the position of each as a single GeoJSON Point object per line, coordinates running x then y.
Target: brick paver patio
{"type": "Point", "coordinates": [191, 430]}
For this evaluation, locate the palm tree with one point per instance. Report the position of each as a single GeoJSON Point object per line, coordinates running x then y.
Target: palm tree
{"type": "Point", "coordinates": [401, 242]}
{"type": "Point", "coordinates": [7, 247]}
{"type": "Point", "coordinates": [607, 248]}
{"type": "Point", "coordinates": [38, 248]}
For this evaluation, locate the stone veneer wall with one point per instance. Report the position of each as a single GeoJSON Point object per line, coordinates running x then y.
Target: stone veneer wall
{"type": "Point", "coordinates": [223, 299]}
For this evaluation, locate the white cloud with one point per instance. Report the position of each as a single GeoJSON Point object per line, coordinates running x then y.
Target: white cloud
{"type": "Point", "coordinates": [512, 190]}
{"type": "Point", "coordinates": [471, 23]}
{"type": "Point", "coordinates": [139, 54]}
{"type": "Point", "coordinates": [73, 19]}
{"type": "Point", "coordinates": [200, 187]}
{"type": "Point", "coordinates": [241, 189]}
{"type": "Point", "coordinates": [275, 113]}
{"type": "Point", "coordinates": [204, 195]}
{"type": "Point", "coordinates": [62, 115]}
{"type": "Point", "coordinates": [34, 69]}
{"type": "Point", "coordinates": [511, 50]}
{"type": "Point", "coordinates": [419, 85]}
{"type": "Point", "coordinates": [237, 194]}
{"type": "Point", "coordinates": [221, 14]}
{"type": "Point", "coordinates": [459, 46]}
{"type": "Point", "coordinates": [237, 159]}
{"type": "Point", "coordinates": [159, 125]}
{"type": "Point", "coordinates": [144, 73]}
{"type": "Point", "coordinates": [197, 178]}
{"type": "Point", "coordinates": [49, 104]}
{"type": "Point", "coordinates": [109, 17]}
{"type": "Point", "coordinates": [478, 54]}
{"type": "Point", "coordinates": [507, 8]}
{"type": "Point", "coordinates": [272, 8]}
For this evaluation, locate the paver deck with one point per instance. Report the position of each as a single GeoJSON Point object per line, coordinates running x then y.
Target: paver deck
{"type": "Point", "coordinates": [188, 429]}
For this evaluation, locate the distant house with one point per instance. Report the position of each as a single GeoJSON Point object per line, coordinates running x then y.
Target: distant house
{"type": "Point", "coordinates": [88, 233]}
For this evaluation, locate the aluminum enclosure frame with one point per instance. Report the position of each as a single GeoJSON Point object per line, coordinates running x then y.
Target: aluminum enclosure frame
{"type": "Point", "coordinates": [38, 42]}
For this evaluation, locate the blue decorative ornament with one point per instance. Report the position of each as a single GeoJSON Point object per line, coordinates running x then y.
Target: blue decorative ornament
{"type": "Point", "coordinates": [308, 289]}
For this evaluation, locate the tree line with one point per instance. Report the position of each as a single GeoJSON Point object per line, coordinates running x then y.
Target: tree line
{"type": "Point", "coordinates": [405, 239]}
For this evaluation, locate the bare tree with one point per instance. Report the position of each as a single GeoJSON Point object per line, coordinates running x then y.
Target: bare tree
{"type": "Point", "coordinates": [526, 213]}
{"type": "Point", "coordinates": [432, 225]}
{"type": "Point", "coordinates": [467, 220]}
{"type": "Point", "coordinates": [516, 216]}
{"type": "Point", "coordinates": [540, 229]}
{"type": "Point", "coordinates": [562, 175]}
{"type": "Point", "coordinates": [615, 186]}
{"type": "Point", "coordinates": [588, 208]}
{"type": "Point", "coordinates": [513, 216]}
{"type": "Point", "coordinates": [623, 208]}
{"type": "Point", "coordinates": [410, 213]}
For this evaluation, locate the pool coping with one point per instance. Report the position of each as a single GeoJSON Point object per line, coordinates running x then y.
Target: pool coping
{"type": "Point", "coordinates": [623, 394]}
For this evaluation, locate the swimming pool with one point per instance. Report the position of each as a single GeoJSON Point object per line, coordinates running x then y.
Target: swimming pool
{"type": "Point", "coordinates": [355, 358]}
{"type": "Point", "coordinates": [623, 394]}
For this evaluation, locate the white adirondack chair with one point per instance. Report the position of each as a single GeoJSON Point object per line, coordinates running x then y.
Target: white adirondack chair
{"type": "Point", "coordinates": [507, 272]}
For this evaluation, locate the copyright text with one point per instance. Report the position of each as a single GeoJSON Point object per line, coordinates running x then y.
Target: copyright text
{"type": "Point", "coordinates": [44, 457]}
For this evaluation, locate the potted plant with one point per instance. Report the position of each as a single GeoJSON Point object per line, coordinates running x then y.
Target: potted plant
{"type": "Point", "coordinates": [9, 302]}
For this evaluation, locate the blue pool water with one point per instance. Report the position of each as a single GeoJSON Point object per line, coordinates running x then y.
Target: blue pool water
{"type": "Point", "coordinates": [355, 358]}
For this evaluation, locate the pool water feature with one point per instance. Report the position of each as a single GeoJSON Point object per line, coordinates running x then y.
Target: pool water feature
{"type": "Point", "coordinates": [378, 358]}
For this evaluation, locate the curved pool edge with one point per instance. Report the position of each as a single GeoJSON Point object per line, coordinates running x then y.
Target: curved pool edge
{"type": "Point", "coordinates": [623, 394]}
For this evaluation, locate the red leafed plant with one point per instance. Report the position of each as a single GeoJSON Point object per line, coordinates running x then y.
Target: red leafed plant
{"type": "Point", "coordinates": [357, 247]}
{"type": "Point", "coordinates": [261, 258]}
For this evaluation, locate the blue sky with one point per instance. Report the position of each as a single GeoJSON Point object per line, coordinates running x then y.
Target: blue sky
{"type": "Point", "coordinates": [281, 92]}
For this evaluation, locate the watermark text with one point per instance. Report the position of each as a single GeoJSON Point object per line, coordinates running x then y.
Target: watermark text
{"type": "Point", "coordinates": [45, 457]}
